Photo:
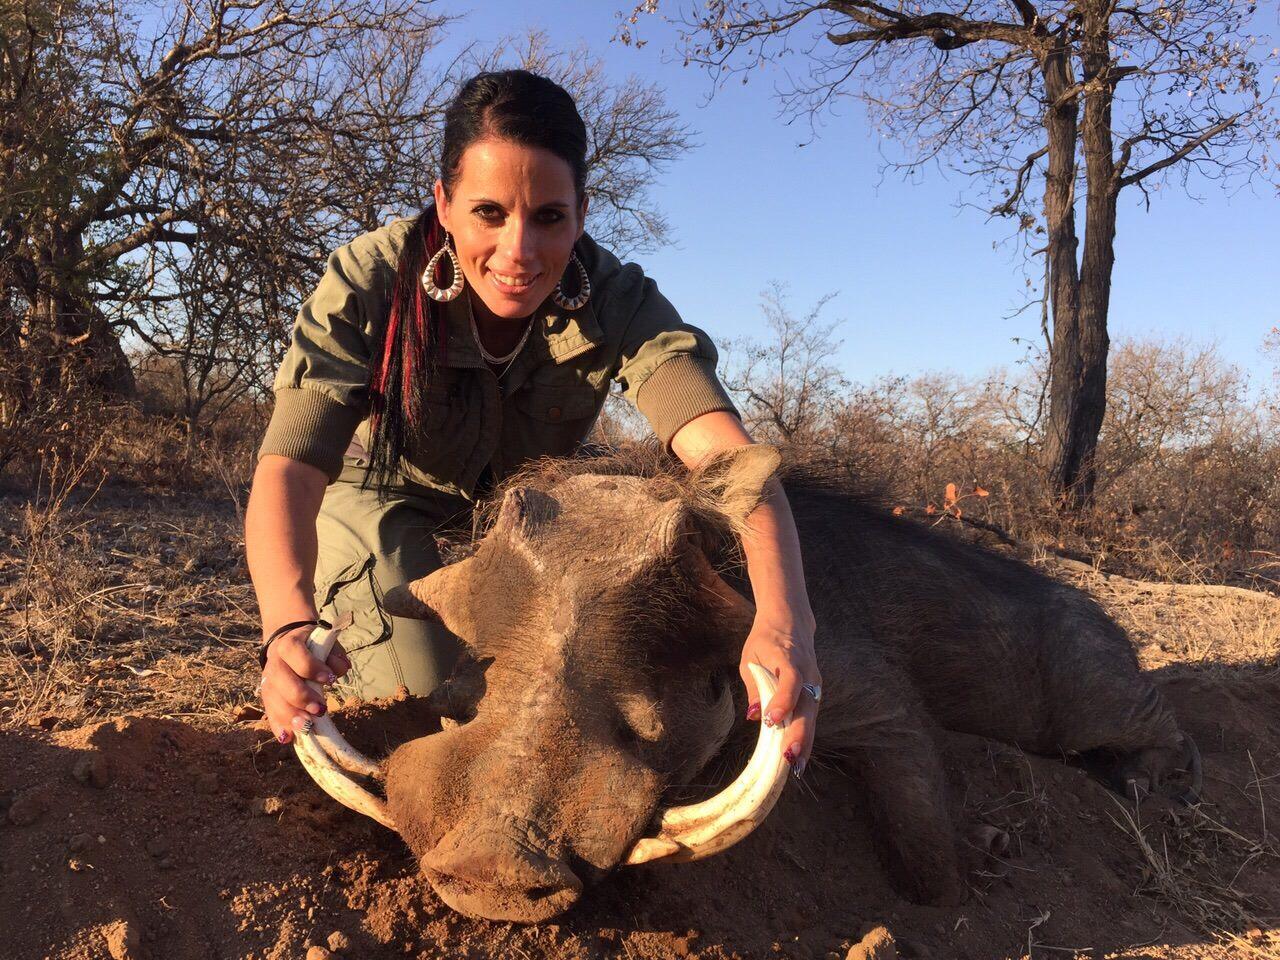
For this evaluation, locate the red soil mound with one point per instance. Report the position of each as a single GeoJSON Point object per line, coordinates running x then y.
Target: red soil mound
{"type": "Point", "coordinates": [153, 838]}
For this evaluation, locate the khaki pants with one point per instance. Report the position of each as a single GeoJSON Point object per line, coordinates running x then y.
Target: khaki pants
{"type": "Point", "coordinates": [366, 547]}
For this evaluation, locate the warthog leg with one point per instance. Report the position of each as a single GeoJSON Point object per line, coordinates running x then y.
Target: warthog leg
{"type": "Point", "coordinates": [327, 756]}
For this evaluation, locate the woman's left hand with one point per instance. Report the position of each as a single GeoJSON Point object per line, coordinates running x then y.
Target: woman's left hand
{"type": "Point", "coordinates": [784, 647]}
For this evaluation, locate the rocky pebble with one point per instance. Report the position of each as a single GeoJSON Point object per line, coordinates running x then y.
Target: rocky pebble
{"type": "Point", "coordinates": [27, 808]}
{"type": "Point", "coordinates": [92, 770]}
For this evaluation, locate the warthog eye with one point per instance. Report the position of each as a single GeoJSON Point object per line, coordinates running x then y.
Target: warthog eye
{"type": "Point", "coordinates": [639, 723]}
{"type": "Point", "coordinates": [458, 697]}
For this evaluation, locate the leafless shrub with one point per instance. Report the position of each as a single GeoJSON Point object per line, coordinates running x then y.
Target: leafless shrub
{"type": "Point", "coordinates": [1188, 466]}
{"type": "Point", "coordinates": [788, 383]}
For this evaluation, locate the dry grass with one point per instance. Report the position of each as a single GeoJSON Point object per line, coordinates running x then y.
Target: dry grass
{"type": "Point", "coordinates": [1221, 635]}
{"type": "Point", "coordinates": [113, 604]}
{"type": "Point", "coordinates": [1192, 863]}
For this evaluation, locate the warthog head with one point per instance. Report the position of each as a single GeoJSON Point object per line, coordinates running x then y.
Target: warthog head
{"type": "Point", "coordinates": [602, 653]}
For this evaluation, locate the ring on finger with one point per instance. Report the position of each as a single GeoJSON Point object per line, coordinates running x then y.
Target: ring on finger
{"type": "Point", "coordinates": [814, 690]}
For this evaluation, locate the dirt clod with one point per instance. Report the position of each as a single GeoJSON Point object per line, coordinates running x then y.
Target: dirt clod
{"type": "Point", "coordinates": [92, 770]}
{"type": "Point", "coordinates": [267, 806]}
{"type": "Point", "coordinates": [876, 945]}
{"type": "Point", "coordinates": [319, 953]}
{"type": "Point", "coordinates": [123, 942]}
{"type": "Point", "coordinates": [339, 941]}
{"type": "Point", "coordinates": [27, 808]}
{"type": "Point", "coordinates": [247, 713]}
{"type": "Point", "coordinates": [81, 842]}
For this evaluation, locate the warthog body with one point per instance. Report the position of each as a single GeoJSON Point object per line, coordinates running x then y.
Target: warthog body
{"type": "Point", "coordinates": [602, 674]}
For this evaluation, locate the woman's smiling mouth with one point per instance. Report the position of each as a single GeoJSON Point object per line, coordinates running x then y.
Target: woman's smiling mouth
{"type": "Point", "coordinates": [513, 283]}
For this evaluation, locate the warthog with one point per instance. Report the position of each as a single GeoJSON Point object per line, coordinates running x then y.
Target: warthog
{"type": "Point", "coordinates": [601, 676]}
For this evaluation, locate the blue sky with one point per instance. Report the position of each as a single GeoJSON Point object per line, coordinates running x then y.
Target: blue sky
{"type": "Point", "coordinates": [920, 285]}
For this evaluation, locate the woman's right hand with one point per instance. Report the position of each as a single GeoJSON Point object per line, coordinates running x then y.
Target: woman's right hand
{"type": "Point", "coordinates": [290, 704]}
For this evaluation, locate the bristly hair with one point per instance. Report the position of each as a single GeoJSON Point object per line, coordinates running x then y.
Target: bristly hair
{"type": "Point", "coordinates": [408, 352]}
{"type": "Point", "coordinates": [670, 480]}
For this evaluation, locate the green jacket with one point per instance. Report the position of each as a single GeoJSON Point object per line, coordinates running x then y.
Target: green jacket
{"type": "Point", "coordinates": [547, 402]}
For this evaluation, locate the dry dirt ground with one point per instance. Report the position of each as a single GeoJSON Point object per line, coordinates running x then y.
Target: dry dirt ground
{"type": "Point", "coordinates": [143, 813]}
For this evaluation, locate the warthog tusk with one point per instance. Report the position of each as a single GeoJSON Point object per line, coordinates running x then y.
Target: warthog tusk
{"type": "Point", "coordinates": [326, 755]}
{"type": "Point", "coordinates": [717, 823]}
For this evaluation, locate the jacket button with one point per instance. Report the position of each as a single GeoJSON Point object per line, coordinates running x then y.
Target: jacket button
{"type": "Point", "coordinates": [553, 413]}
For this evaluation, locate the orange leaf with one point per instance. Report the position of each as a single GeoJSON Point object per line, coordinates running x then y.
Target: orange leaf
{"type": "Point", "coordinates": [956, 511]}
{"type": "Point", "coordinates": [931, 509]}
{"type": "Point", "coordinates": [898, 511]}
{"type": "Point", "coordinates": [980, 492]}
{"type": "Point", "coordinates": [950, 496]}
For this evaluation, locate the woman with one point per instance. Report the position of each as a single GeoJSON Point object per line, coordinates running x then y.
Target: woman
{"type": "Point", "coordinates": [435, 356]}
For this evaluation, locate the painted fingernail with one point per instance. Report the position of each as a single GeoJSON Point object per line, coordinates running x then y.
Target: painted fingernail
{"type": "Point", "coordinates": [283, 736]}
{"type": "Point", "coordinates": [753, 711]}
{"type": "Point", "coordinates": [789, 756]}
{"type": "Point", "coordinates": [774, 720]}
{"type": "Point", "coordinates": [328, 678]}
{"type": "Point", "coordinates": [302, 724]}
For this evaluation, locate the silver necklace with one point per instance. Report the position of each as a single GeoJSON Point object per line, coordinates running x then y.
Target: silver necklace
{"type": "Point", "coordinates": [510, 358]}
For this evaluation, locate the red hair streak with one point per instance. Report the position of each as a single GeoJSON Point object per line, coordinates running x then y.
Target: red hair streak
{"type": "Point", "coordinates": [406, 340]}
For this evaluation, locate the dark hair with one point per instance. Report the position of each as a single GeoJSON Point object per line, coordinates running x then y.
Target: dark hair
{"type": "Point", "coordinates": [513, 105]}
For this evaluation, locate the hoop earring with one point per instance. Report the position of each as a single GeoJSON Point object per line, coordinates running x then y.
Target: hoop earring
{"type": "Point", "coordinates": [428, 275]}
{"type": "Point", "coordinates": [584, 288]}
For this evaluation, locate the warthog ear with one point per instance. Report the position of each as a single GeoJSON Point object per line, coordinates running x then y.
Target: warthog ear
{"type": "Point", "coordinates": [670, 526]}
{"type": "Point", "coordinates": [730, 614]}
{"type": "Point", "coordinates": [735, 478]}
{"type": "Point", "coordinates": [442, 595]}
{"type": "Point", "coordinates": [524, 510]}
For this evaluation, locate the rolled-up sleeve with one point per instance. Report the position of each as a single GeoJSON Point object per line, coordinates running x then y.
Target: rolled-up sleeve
{"type": "Point", "coordinates": [321, 387]}
{"type": "Point", "coordinates": [668, 367]}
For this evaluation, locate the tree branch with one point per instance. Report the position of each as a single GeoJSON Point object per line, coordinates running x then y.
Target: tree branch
{"type": "Point", "coordinates": [148, 233]}
{"type": "Point", "coordinates": [1180, 154]}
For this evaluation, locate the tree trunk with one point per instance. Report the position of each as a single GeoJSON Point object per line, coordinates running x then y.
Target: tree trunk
{"type": "Point", "coordinates": [1097, 260]}
{"type": "Point", "coordinates": [74, 346]}
{"type": "Point", "coordinates": [1067, 427]}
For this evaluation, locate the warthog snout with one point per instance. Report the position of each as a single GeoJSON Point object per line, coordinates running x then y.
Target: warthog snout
{"type": "Point", "coordinates": [498, 875]}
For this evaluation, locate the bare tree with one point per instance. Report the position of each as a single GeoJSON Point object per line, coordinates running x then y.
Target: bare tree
{"type": "Point", "coordinates": [1165, 398]}
{"type": "Point", "coordinates": [1070, 101]}
{"type": "Point", "coordinates": [787, 384]}
{"type": "Point", "coordinates": [228, 123]}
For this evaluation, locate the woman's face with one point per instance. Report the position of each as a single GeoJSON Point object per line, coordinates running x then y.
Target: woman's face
{"type": "Point", "coordinates": [514, 216]}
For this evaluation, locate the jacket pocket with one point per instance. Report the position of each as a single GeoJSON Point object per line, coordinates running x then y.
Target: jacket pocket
{"type": "Point", "coordinates": [353, 589]}
{"type": "Point", "coordinates": [552, 421]}
{"type": "Point", "coordinates": [557, 404]}
{"type": "Point", "coordinates": [439, 400]}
